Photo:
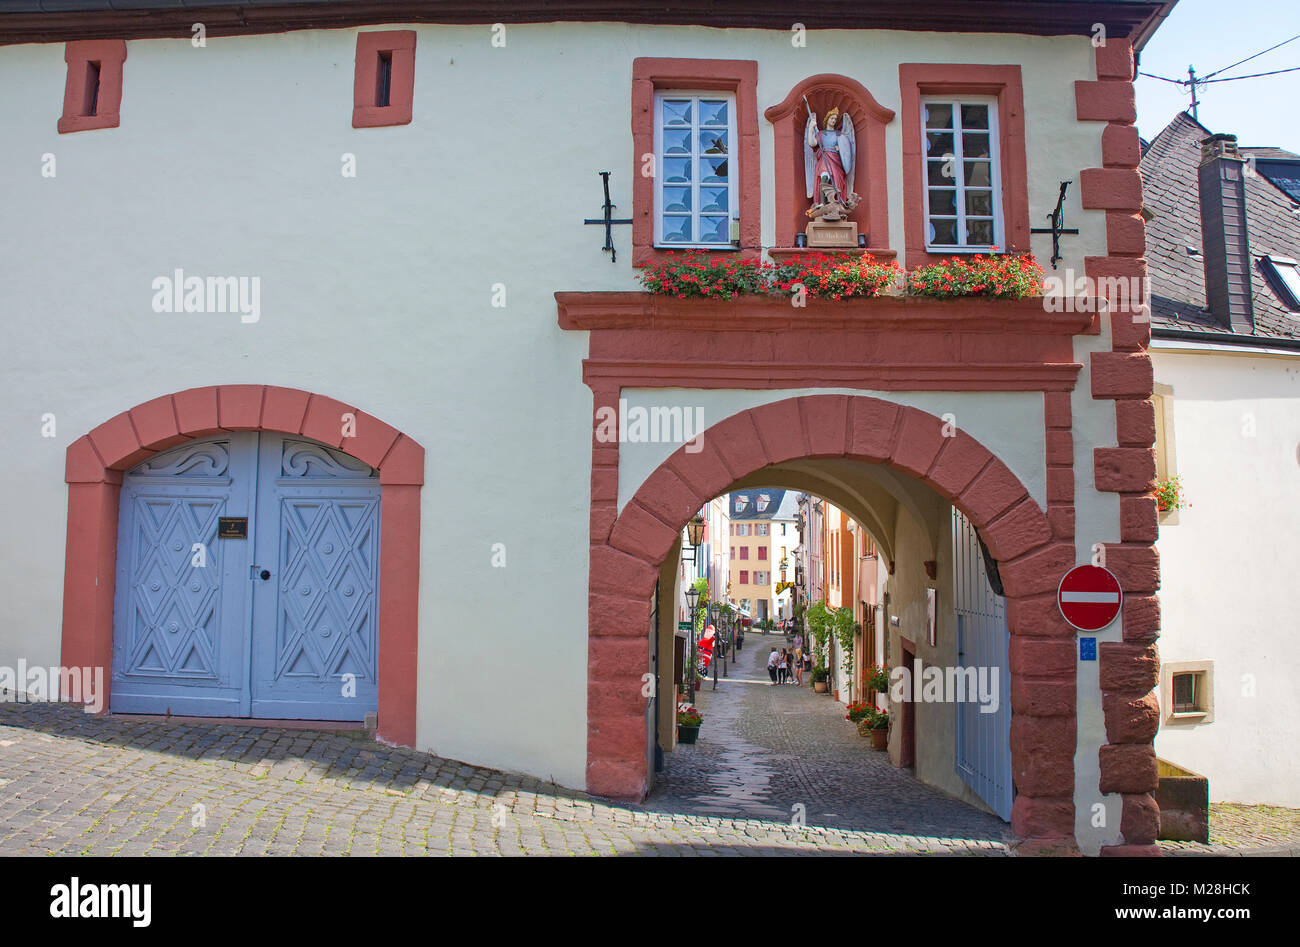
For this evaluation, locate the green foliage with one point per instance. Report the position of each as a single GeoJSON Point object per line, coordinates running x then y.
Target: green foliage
{"type": "Point", "coordinates": [701, 585]}
{"type": "Point", "coordinates": [877, 679]}
{"type": "Point", "coordinates": [1169, 494]}
{"type": "Point", "coordinates": [823, 623]}
{"type": "Point", "coordinates": [818, 618]}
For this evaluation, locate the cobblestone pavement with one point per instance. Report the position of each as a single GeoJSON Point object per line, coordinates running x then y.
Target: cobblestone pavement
{"type": "Point", "coordinates": [1237, 829]}
{"type": "Point", "coordinates": [763, 751]}
{"type": "Point", "coordinates": [74, 783]}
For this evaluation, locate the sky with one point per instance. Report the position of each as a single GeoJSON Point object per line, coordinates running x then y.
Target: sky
{"type": "Point", "coordinates": [1212, 34]}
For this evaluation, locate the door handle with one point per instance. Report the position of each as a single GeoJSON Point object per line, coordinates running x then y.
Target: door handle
{"type": "Point", "coordinates": [254, 573]}
{"type": "Point", "coordinates": [265, 574]}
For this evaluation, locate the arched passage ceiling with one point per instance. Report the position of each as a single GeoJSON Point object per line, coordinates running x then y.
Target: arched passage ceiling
{"type": "Point", "coordinates": [870, 493]}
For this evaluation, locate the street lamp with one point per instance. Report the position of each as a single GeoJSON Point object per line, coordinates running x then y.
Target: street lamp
{"type": "Point", "coordinates": [692, 599]}
{"type": "Point", "coordinates": [719, 630]}
{"type": "Point", "coordinates": [709, 614]}
{"type": "Point", "coordinates": [695, 530]}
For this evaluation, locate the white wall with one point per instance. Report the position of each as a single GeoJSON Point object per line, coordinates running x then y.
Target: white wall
{"type": "Point", "coordinates": [1228, 568]}
{"type": "Point", "coordinates": [376, 291]}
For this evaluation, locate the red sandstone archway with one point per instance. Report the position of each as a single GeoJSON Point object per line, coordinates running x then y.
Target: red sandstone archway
{"type": "Point", "coordinates": [95, 464]}
{"type": "Point", "coordinates": [625, 566]}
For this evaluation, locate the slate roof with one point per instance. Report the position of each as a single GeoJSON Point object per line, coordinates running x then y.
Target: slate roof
{"type": "Point", "coordinates": [1279, 166]}
{"type": "Point", "coordinates": [774, 504]}
{"type": "Point", "coordinates": [1270, 154]}
{"type": "Point", "coordinates": [1178, 277]}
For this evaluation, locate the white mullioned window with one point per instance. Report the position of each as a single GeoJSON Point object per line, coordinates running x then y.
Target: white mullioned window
{"type": "Point", "coordinates": [697, 196]}
{"type": "Point", "coordinates": [963, 180]}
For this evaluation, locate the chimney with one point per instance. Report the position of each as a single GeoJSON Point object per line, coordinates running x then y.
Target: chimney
{"type": "Point", "coordinates": [1225, 244]}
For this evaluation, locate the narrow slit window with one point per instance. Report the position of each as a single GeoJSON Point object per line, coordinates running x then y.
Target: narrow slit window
{"type": "Point", "coordinates": [384, 85]}
{"type": "Point", "coordinates": [92, 92]}
{"type": "Point", "coordinates": [91, 99]}
{"type": "Point", "coordinates": [384, 78]}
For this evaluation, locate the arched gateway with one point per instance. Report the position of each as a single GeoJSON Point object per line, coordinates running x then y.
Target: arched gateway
{"type": "Point", "coordinates": [95, 467]}
{"type": "Point", "coordinates": [625, 567]}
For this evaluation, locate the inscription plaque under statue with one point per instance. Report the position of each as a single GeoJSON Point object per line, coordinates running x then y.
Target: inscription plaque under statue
{"type": "Point", "coordinates": [832, 233]}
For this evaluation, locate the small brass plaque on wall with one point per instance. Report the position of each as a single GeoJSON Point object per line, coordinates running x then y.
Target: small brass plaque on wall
{"type": "Point", "coordinates": [232, 527]}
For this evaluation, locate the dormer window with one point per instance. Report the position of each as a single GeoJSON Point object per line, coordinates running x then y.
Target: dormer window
{"type": "Point", "coordinates": [1283, 275]}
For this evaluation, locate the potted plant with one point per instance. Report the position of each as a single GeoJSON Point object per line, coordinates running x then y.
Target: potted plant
{"type": "Point", "coordinates": [688, 724]}
{"type": "Point", "coordinates": [1169, 494]}
{"type": "Point", "coordinates": [875, 723]}
{"type": "Point", "coordinates": [819, 676]}
{"type": "Point", "coordinates": [877, 679]}
{"type": "Point", "coordinates": [858, 711]}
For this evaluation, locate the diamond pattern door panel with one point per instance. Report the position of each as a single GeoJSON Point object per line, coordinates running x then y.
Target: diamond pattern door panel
{"type": "Point", "coordinates": [315, 621]}
{"type": "Point", "coordinates": [180, 610]}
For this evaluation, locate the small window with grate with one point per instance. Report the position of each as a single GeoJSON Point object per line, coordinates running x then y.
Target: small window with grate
{"type": "Point", "coordinates": [1186, 687]}
{"type": "Point", "coordinates": [1188, 691]}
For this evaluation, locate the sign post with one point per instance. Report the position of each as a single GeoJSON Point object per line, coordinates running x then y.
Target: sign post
{"type": "Point", "coordinates": [1089, 597]}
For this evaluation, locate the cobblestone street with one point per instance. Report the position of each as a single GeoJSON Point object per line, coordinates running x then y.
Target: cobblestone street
{"type": "Point", "coordinates": [765, 750]}
{"type": "Point", "coordinates": [74, 783]}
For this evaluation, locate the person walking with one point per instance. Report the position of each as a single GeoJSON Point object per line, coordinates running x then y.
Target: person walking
{"type": "Point", "coordinates": [773, 660]}
{"type": "Point", "coordinates": [783, 668]}
{"type": "Point", "coordinates": [798, 667]}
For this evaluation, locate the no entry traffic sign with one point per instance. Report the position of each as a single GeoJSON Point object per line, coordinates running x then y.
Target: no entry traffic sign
{"type": "Point", "coordinates": [1089, 597]}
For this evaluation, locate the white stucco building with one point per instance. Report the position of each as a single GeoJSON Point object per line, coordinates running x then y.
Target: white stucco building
{"type": "Point", "coordinates": [296, 300]}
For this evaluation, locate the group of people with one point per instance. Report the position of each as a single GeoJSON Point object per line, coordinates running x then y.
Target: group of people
{"type": "Point", "coordinates": [787, 665]}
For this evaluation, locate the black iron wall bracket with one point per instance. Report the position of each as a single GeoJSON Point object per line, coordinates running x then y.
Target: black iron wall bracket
{"type": "Point", "coordinates": [608, 220]}
{"type": "Point", "coordinates": [1057, 230]}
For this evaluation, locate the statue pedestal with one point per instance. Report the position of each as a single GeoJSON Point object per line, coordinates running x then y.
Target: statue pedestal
{"type": "Point", "coordinates": [832, 233]}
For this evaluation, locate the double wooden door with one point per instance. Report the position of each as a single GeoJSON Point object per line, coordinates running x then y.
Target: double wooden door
{"type": "Point", "coordinates": [247, 582]}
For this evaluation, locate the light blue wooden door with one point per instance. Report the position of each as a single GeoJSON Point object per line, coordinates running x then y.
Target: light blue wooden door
{"type": "Point", "coordinates": [315, 618]}
{"type": "Point", "coordinates": [983, 640]}
{"type": "Point", "coordinates": [181, 600]}
{"type": "Point", "coordinates": [281, 624]}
